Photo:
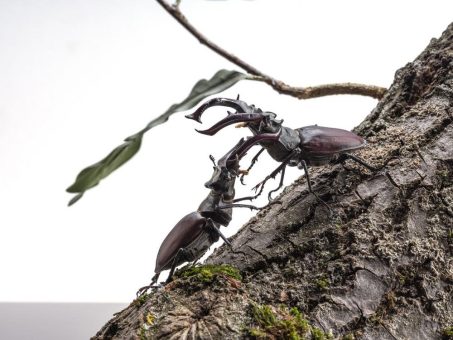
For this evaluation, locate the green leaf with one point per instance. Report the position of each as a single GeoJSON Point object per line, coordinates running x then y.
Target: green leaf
{"type": "Point", "coordinates": [92, 175]}
{"type": "Point", "coordinates": [75, 199]}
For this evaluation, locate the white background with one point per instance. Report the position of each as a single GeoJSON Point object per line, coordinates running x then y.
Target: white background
{"type": "Point", "coordinates": [76, 77]}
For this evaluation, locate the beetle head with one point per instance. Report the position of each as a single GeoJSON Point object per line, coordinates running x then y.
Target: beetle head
{"type": "Point", "coordinates": [226, 168]}
{"type": "Point", "coordinates": [269, 124]}
{"type": "Point", "coordinates": [248, 115]}
{"type": "Point", "coordinates": [222, 180]}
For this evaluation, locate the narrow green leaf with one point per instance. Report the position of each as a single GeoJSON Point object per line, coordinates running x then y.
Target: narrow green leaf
{"type": "Point", "coordinates": [75, 199]}
{"type": "Point", "coordinates": [92, 175]}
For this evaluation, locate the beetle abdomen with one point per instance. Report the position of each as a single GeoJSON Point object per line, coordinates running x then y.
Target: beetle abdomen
{"type": "Point", "coordinates": [183, 234]}
{"type": "Point", "coordinates": [319, 141]}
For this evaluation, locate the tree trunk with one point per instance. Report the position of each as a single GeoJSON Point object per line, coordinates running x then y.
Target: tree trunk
{"type": "Point", "coordinates": [379, 267]}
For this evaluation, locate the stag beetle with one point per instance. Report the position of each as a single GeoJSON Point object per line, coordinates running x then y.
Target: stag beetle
{"type": "Point", "coordinates": [306, 146]}
{"type": "Point", "coordinates": [192, 236]}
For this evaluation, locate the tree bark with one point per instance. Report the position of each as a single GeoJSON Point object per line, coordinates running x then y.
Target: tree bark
{"type": "Point", "coordinates": [380, 267]}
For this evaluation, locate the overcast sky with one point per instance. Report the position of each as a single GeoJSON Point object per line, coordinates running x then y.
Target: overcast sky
{"type": "Point", "coordinates": [77, 77]}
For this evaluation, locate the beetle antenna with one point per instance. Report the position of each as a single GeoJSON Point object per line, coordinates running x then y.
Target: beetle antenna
{"type": "Point", "coordinates": [211, 157]}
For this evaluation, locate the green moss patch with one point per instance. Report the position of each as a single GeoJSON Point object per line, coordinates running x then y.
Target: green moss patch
{"type": "Point", "coordinates": [283, 323]}
{"type": "Point", "coordinates": [322, 284]}
{"type": "Point", "coordinates": [207, 273]}
{"type": "Point", "coordinates": [447, 333]}
{"type": "Point", "coordinates": [139, 301]}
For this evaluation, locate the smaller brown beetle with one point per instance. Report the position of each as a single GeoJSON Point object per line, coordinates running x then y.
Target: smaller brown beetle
{"type": "Point", "coordinates": [192, 236]}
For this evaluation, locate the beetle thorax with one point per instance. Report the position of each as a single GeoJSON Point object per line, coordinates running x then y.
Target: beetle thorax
{"type": "Point", "coordinates": [288, 141]}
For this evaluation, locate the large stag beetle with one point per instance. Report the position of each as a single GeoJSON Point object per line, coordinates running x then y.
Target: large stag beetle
{"type": "Point", "coordinates": [306, 146]}
{"type": "Point", "coordinates": [192, 236]}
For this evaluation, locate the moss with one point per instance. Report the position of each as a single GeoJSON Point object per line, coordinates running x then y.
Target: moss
{"type": "Point", "coordinates": [143, 331]}
{"type": "Point", "coordinates": [282, 323]}
{"type": "Point", "coordinates": [264, 315]}
{"type": "Point", "coordinates": [206, 273]}
{"type": "Point", "coordinates": [301, 323]}
{"type": "Point", "coordinates": [322, 283]}
{"type": "Point", "coordinates": [257, 333]}
{"type": "Point", "coordinates": [401, 279]}
{"type": "Point", "coordinates": [447, 333]}
{"type": "Point", "coordinates": [349, 336]}
{"type": "Point", "coordinates": [318, 334]}
{"type": "Point", "coordinates": [141, 300]}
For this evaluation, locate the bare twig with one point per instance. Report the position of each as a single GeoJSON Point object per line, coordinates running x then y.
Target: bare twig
{"type": "Point", "coordinates": [255, 74]}
{"type": "Point", "coordinates": [177, 14]}
{"type": "Point", "coordinates": [323, 90]}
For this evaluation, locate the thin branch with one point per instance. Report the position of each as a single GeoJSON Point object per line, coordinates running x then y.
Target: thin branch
{"type": "Point", "coordinates": [323, 90]}
{"type": "Point", "coordinates": [177, 14]}
{"type": "Point", "coordinates": [255, 74]}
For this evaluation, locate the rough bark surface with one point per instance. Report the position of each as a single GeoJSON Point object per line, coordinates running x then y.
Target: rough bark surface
{"type": "Point", "coordinates": [380, 268]}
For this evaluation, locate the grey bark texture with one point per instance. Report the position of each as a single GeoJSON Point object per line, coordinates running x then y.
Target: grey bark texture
{"type": "Point", "coordinates": [380, 268]}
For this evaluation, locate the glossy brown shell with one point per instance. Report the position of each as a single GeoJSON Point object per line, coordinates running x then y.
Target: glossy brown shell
{"type": "Point", "coordinates": [182, 234]}
{"type": "Point", "coordinates": [321, 141]}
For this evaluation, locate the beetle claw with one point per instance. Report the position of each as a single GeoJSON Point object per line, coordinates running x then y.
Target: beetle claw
{"type": "Point", "coordinates": [144, 290]}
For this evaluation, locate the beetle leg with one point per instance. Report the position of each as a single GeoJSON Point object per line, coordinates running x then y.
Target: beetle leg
{"type": "Point", "coordinates": [248, 198]}
{"type": "Point", "coordinates": [274, 173]}
{"type": "Point", "coordinates": [269, 195]}
{"type": "Point", "coordinates": [211, 224]}
{"type": "Point", "coordinates": [344, 156]}
{"type": "Point", "coordinates": [182, 252]}
{"type": "Point", "coordinates": [304, 165]}
{"type": "Point", "coordinates": [144, 289]}
{"type": "Point", "coordinates": [254, 160]}
{"type": "Point", "coordinates": [233, 205]}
